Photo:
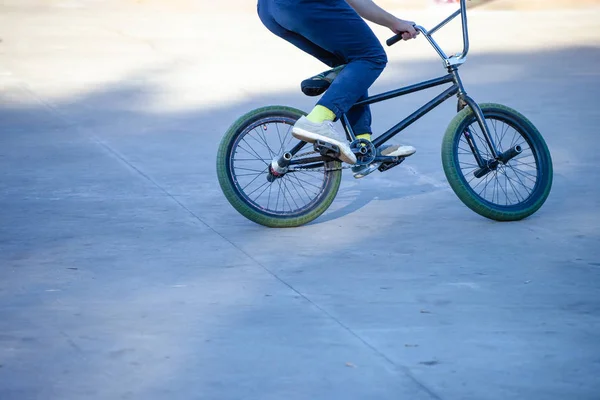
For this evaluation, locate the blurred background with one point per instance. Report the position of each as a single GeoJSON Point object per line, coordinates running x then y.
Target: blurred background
{"type": "Point", "coordinates": [124, 272]}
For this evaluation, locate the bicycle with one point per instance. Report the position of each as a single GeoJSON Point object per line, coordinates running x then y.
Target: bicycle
{"type": "Point", "coordinates": [489, 150]}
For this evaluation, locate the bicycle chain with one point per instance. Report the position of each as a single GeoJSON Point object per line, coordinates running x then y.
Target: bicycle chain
{"type": "Point", "coordinates": [297, 156]}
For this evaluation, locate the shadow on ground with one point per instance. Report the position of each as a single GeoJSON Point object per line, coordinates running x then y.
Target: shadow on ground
{"type": "Point", "coordinates": [126, 274]}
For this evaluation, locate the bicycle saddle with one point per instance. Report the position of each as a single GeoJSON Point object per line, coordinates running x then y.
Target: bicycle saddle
{"type": "Point", "coordinates": [318, 84]}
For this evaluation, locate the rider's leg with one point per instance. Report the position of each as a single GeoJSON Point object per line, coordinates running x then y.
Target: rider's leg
{"type": "Point", "coordinates": [335, 27]}
{"type": "Point", "coordinates": [267, 12]}
{"type": "Point", "coordinates": [360, 118]}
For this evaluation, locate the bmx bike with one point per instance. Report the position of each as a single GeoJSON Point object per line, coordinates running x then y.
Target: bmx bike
{"type": "Point", "coordinates": [494, 158]}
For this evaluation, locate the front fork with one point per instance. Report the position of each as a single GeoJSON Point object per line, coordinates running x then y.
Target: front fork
{"type": "Point", "coordinates": [485, 166]}
{"type": "Point", "coordinates": [482, 124]}
{"type": "Point", "coordinates": [472, 145]}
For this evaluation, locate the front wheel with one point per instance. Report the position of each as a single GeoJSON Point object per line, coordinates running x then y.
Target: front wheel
{"type": "Point", "coordinates": [243, 161]}
{"type": "Point", "coordinates": [510, 191]}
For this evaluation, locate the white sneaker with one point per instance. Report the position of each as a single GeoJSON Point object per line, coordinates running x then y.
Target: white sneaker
{"type": "Point", "coordinates": [311, 132]}
{"type": "Point", "coordinates": [396, 150]}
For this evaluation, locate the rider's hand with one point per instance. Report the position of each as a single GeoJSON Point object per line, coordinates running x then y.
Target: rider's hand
{"type": "Point", "coordinates": [405, 27]}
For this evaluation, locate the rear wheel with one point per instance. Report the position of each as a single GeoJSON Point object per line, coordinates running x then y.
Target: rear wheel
{"type": "Point", "coordinates": [243, 161]}
{"type": "Point", "coordinates": [510, 191]}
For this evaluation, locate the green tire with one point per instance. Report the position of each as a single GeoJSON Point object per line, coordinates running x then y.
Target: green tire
{"type": "Point", "coordinates": [459, 183]}
{"type": "Point", "coordinates": [241, 202]}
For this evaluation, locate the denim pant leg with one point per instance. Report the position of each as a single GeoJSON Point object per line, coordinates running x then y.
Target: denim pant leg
{"type": "Point", "coordinates": [266, 11]}
{"type": "Point", "coordinates": [360, 117]}
{"type": "Point", "coordinates": [335, 27]}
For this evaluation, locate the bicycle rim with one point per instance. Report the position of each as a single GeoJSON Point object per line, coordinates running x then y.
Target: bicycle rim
{"type": "Point", "coordinates": [249, 158]}
{"type": "Point", "coordinates": [508, 185]}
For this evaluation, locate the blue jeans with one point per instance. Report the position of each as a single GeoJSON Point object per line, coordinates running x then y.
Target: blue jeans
{"type": "Point", "coordinates": [333, 32]}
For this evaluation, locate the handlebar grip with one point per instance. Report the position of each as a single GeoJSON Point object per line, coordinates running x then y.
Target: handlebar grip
{"type": "Point", "coordinates": [394, 39]}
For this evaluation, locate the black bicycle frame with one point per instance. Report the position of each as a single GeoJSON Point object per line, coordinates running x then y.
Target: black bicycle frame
{"type": "Point", "coordinates": [451, 91]}
{"type": "Point", "coordinates": [456, 89]}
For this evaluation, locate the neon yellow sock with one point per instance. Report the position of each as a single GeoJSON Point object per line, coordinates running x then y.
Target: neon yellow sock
{"type": "Point", "coordinates": [320, 114]}
{"type": "Point", "coordinates": [364, 136]}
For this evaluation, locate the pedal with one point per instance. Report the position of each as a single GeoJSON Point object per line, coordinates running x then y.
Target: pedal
{"type": "Point", "coordinates": [327, 149]}
{"type": "Point", "coordinates": [364, 170]}
{"type": "Point", "coordinates": [390, 164]}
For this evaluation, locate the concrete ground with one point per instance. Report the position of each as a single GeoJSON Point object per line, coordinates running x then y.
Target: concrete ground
{"type": "Point", "coordinates": [125, 274]}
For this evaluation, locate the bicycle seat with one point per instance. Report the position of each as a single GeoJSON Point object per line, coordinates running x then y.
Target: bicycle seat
{"type": "Point", "coordinates": [318, 84]}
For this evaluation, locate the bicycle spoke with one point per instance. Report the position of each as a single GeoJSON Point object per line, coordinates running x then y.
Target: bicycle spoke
{"type": "Point", "coordinates": [506, 186]}
{"type": "Point", "coordinates": [504, 131]}
{"type": "Point", "coordinates": [278, 194]}
{"type": "Point", "coordinates": [252, 153]}
{"type": "Point", "coordinates": [482, 144]}
{"type": "Point", "coordinates": [467, 151]}
{"type": "Point", "coordinates": [523, 157]}
{"type": "Point", "coordinates": [265, 183]}
{"type": "Point", "coordinates": [250, 169]}
{"type": "Point", "coordinates": [249, 183]}
{"type": "Point", "coordinates": [290, 193]}
{"type": "Point", "coordinates": [503, 189]}
{"type": "Point", "coordinates": [496, 184]}
{"type": "Point", "coordinates": [472, 179]}
{"type": "Point", "coordinates": [301, 185]}
{"type": "Point", "coordinates": [262, 143]}
{"type": "Point", "coordinates": [291, 137]}
{"type": "Point", "coordinates": [520, 143]}
{"type": "Point", "coordinates": [284, 195]}
{"type": "Point", "coordinates": [518, 177]}
{"type": "Point", "coordinates": [496, 138]}
{"type": "Point", "coordinates": [520, 187]}
{"type": "Point", "coordinates": [239, 175]}
{"type": "Point", "coordinates": [261, 134]}
{"type": "Point", "coordinates": [511, 184]}
{"type": "Point", "coordinates": [252, 149]}
{"type": "Point", "coordinates": [295, 188]}
{"type": "Point", "coordinates": [526, 175]}
{"type": "Point", "coordinates": [280, 141]}
{"type": "Point", "coordinates": [251, 158]}
{"type": "Point", "coordinates": [516, 137]}
{"type": "Point", "coordinates": [483, 180]}
{"type": "Point", "coordinates": [485, 184]}
{"type": "Point", "coordinates": [269, 198]}
{"type": "Point", "coordinates": [532, 164]}
{"type": "Point", "coordinates": [488, 180]}
{"type": "Point", "coordinates": [308, 183]}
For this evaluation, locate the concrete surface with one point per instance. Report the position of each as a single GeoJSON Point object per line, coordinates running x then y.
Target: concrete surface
{"type": "Point", "coordinates": [125, 274]}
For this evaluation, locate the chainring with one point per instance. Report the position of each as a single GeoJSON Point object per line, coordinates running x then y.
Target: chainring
{"type": "Point", "coordinates": [364, 150]}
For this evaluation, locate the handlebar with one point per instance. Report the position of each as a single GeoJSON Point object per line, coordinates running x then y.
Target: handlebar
{"type": "Point", "coordinates": [398, 37]}
{"type": "Point", "coordinates": [394, 39]}
{"type": "Point", "coordinates": [462, 11]}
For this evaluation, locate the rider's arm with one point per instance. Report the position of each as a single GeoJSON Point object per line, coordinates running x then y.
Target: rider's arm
{"type": "Point", "coordinates": [372, 12]}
